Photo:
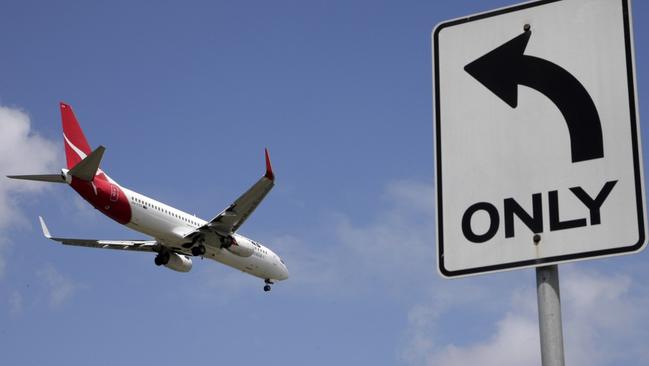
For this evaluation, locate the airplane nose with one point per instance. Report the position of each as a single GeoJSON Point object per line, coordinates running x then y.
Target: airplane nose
{"type": "Point", "coordinates": [284, 272]}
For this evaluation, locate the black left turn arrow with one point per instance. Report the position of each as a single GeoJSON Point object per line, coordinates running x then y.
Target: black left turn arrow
{"type": "Point", "coordinates": [504, 68]}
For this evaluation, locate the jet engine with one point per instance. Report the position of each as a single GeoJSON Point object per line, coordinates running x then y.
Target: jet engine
{"type": "Point", "coordinates": [240, 246]}
{"type": "Point", "coordinates": [176, 262]}
{"type": "Point", "coordinates": [179, 263]}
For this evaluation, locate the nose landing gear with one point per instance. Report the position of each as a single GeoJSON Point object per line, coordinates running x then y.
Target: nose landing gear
{"type": "Point", "coordinates": [268, 283]}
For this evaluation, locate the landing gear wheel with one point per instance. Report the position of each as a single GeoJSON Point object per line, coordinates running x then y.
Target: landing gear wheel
{"type": "Point", "coordinates": [198, 250]}
{"type": "Point", "coordinates": [268, 283]}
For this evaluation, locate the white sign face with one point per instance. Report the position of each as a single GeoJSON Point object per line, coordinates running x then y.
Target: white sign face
{"type": "Point", "coordinates": [538, 155]}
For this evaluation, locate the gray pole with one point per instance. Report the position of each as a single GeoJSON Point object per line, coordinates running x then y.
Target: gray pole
{"type": "Point", "coordinates": [549, 299]}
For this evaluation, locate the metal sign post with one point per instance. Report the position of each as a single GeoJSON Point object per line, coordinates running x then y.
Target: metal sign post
{"type": "Point", "coordinates": [549, 300]}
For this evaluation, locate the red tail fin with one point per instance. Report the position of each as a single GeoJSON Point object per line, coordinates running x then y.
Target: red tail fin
{"type": "Point", "coordinates": [76, 145]}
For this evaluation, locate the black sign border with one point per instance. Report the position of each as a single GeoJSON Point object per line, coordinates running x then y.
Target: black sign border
{"type": "Point", "coordinates": [634, 141]}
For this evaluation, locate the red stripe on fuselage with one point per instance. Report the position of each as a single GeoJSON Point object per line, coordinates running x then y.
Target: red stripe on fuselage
{"type": "Point", "coordinates": [105, 197]}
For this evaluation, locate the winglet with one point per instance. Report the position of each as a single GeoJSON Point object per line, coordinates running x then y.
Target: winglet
{"type": "Point", "coordinates": [269, 168]}
{"type": "Point", "coordinates": [46, 232]}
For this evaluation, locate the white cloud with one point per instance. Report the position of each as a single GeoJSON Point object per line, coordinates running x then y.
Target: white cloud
{"type": "Point", "coordinates": [308, 268]}
{"type": "Point", "coordinates": [59, 287]}
{"type": "Point", "coordinates": [604, 323]}
{"type": "Point", "coordinates": [515, 342]}
{"type": "Point", "coordinates": [21, 152]}
{"type": "Point", "coordinates": [400, 239]}
{"type": "Point", "coordinates": [392, 250]}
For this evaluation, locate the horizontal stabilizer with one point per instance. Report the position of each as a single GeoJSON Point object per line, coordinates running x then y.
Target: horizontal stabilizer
{"type": "Point", "coordinates": [52, 178]}
{"type": "Point", "coordinates": [87, 168]}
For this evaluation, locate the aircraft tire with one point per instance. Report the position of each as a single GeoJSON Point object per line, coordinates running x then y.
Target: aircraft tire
{"type": "Point", "coordinates": [198, 250]}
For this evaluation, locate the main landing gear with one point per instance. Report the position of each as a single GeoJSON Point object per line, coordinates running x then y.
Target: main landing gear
{"type": "Point", "coordinates": [162, 258]}
{"type": "Point", "coordinates": [198, 250]}
{"type": "Point", "coordinates": [227, 242]}
{"type": "Point", "coordinates": [268, 283]}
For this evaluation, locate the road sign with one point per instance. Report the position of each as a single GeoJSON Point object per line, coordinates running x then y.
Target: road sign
{"type": "Point", "coordinates": [538, 155]}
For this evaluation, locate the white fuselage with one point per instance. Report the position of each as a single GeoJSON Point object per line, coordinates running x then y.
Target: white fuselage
{"type": "Point", "coordinates": [170, 226]}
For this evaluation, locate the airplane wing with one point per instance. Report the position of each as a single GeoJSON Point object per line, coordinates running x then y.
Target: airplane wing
{"type": "Point", "coordinates": [134, 245]}
{"type": "Point", "coordinates": [230, 219]}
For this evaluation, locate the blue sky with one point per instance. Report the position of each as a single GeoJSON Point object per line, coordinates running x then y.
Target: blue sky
{"type": "Point", "coordinates": [185, 96]}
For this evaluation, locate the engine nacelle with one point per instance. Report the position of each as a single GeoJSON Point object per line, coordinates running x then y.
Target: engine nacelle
{"type": "Point", "coordinates": [241, 247]}
{"type": "Point", "coordinates": [179, 263]}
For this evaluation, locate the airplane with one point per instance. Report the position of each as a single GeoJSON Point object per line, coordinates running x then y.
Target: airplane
{"type": "Point", "coordinates": [177, 235]}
